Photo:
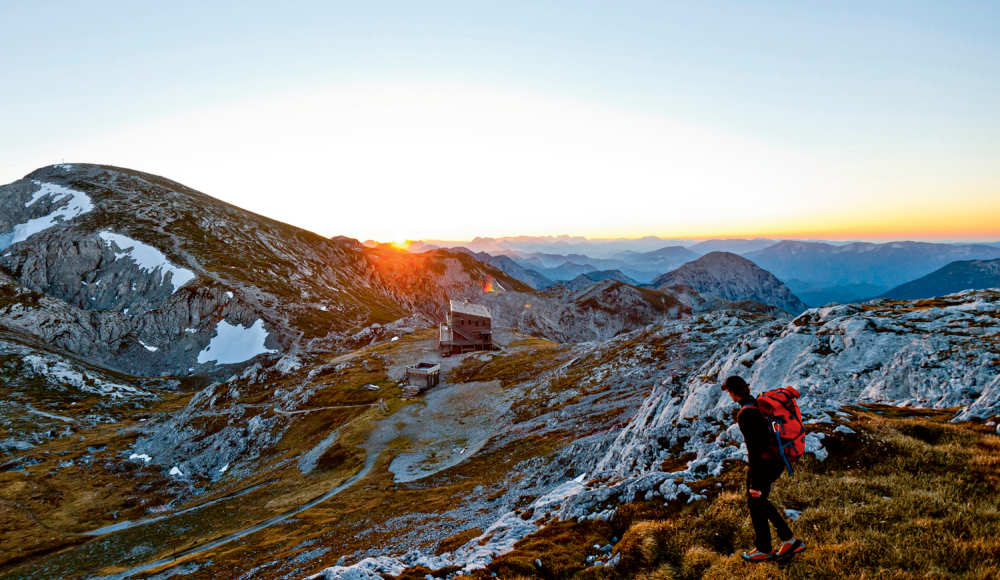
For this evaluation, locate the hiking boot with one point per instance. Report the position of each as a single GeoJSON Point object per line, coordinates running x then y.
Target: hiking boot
{"type": "Point", "coordinates": [790, 548]}
{"type": "Point", "coordinates": [758, 556]}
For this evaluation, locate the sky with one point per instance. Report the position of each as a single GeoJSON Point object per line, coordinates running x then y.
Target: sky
{"type": "Point", "coordinates": [451, 120]}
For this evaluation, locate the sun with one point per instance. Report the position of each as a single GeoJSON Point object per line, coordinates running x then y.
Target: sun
{"type": "Point", "coordinates": [400, 242]}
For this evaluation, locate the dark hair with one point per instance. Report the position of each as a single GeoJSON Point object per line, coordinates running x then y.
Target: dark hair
{"type": "Point", "coordinates": [737, 386]}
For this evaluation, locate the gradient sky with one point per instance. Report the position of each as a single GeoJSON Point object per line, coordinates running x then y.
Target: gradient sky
{"type": "Point", "coordinates": [451, 120]}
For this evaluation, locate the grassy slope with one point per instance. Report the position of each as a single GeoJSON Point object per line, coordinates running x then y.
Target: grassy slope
{"type": "Point", "coordinates": [909, 496]}
{"type": "Point", "coordinates": [45, 509]}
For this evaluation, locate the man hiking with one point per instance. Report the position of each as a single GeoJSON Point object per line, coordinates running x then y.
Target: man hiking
{"type": "Point", "coordinates": [765, 468]}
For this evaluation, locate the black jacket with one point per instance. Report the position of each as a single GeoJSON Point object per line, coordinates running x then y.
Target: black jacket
{"type": "Point", "coordinates": [756, 435]}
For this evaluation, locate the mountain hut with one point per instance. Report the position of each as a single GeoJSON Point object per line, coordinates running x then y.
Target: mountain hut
{"type": "Point", "coordinates": [468, 328]}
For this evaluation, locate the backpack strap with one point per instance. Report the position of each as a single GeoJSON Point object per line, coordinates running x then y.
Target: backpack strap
{"type": "Point", "coordinates": [765, 454]}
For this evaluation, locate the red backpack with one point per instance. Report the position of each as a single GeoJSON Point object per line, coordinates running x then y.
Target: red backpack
{"type": "Point", "coordinates": [784, 421]}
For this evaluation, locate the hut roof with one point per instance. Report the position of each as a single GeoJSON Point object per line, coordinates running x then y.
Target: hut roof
{"type": "Point", "coordinates": [470, 309]}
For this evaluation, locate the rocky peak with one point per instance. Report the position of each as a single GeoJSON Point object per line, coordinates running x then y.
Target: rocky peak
{"type": "Point", "coordinates": [734, 278]}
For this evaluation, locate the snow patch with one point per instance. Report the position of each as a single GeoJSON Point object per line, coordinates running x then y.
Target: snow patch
{"type": "Point", "coordinates": [175, 471]}
{"type": "Point", "coordinates": [224, 468]}
{"type": "Point", "coordinates": [141, 456]}
{"type": "Point", "coordinates": [77, 203]}
{"type": "Point", "coordinates": [235, 344]}
{"type": "Point", "coordinates": [149, 348]}
{"type": "Point", "coordinates": [62, 372]}
{"type": "Point", "coordinates": [147, 258]}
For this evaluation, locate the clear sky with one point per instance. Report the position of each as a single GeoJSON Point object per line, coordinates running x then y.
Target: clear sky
{"type": "Point", "coordinates": [450, 120]}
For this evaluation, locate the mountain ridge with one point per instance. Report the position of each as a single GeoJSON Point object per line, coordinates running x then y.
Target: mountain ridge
{"type": "Point", "coordinates": [885, 265]}
{"type": "Point", "coordinates": [950, 279]}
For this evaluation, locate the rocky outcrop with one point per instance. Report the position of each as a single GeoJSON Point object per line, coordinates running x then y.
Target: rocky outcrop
{"type": "Point", "coordinates": [734, 278]}
{"type": "Point", "coordinates": [919, 355]}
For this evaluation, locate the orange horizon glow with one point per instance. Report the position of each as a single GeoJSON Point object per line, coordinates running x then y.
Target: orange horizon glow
{"type": "Point", "coordinates": [885, 222]}
{"type": "Point", "coordinates": [833, 233]}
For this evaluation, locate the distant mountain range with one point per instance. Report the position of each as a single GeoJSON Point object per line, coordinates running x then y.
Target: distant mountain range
{"type": "Point", "coordinates": [599, 248]}
{"type": "Point", "coordinates": [563, 245]}
{"type": "Point", "coordinates": [590, 278]}
{"type": "Point", "coordinates": [955, 277]}
{"type": "Point", "coordinates": [734, 278]}
{"type": "Point", "coordinates": [664, 259]}
{"type": "Point", "coordinates": [817, 272]}
{"type": "Point", "coordinates": [821, 273]}
{"type": "Point", "coordinates": [639, 266]}
{"type": "Point", "coordinates": [732, 246]}
{"type": "Point", "coordinates": [512, 268]}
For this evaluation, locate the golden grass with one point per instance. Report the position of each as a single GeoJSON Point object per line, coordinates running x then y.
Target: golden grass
{"type": "Point", "coordinates": [907, 497]}
{"type": "Point", "coordinates": [47, 506]}
{"type": "Point", "coordinates": [512, 366]}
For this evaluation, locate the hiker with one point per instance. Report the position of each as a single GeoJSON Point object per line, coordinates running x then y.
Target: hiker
{"type": "Point", "coordinates": [765, 467]}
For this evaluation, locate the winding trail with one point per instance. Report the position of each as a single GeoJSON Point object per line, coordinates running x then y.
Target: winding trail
{"type": "Point", "coordinates": [283, 412]}
{"type": "Point", "coordinates": [385, 431]}
{"type": "Point", "coordinates": [130, 524]}
{"type": "Point", "coordinates": [51, 416]}
{"type": "Point", "coordinates": [372, 456]}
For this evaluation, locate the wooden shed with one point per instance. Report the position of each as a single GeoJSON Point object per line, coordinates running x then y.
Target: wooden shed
{"type": "Point", "coordinates": [423, 374]}
{"type": "Point", "coordinates": [420, 377]}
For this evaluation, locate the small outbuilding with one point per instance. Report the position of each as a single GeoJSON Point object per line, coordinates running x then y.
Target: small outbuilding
{"type": "Point", "coordinates": [420, 377]}
{"type": "Point", "coordinates": [423, 374]}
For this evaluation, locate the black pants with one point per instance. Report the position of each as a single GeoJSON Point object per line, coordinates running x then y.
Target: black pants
{"type": "Point", "coordinates": [761, 509]}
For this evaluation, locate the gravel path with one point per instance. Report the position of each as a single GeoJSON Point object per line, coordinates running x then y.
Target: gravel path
{"type": "Point", "coordinates": [449, 424]}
